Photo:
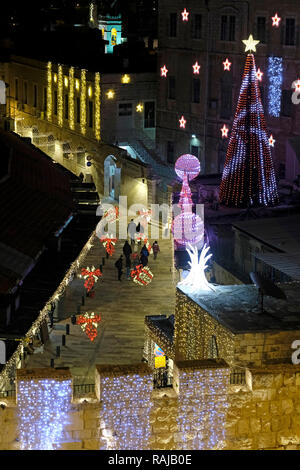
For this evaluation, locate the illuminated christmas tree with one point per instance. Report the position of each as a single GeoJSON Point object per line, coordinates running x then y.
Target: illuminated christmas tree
{"type": "Point", "coordinates": [248, 177]}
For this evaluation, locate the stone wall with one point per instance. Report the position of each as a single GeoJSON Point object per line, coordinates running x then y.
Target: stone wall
{"type": "Point", "coordinates": [202, 411]}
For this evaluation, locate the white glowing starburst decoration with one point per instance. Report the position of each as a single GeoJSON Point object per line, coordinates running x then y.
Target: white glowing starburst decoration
{"type": "Point", "coordinates": [196, 279]}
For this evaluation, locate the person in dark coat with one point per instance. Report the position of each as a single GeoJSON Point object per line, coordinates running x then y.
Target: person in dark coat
{"type": "Point", "coordinates": [144, 256]}
{"type": "Point", "coordinates": [119, 266]}
{"type": "Point", "coordinates": [155, 249]}
{"type": "Point", "coordinates": [127, 250]}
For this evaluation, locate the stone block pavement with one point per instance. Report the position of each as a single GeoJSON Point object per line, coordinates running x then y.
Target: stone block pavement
{"type": "Point", "coordinates": [122, 306]}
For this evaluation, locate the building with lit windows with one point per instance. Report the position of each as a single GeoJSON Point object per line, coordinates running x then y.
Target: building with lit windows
{"type": "Point", "coordinates": [200, 64]}
{"type": "Point", "coordinates": [89, 121]}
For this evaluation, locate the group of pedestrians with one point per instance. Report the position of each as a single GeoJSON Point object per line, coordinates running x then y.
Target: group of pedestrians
{"type": "Point", "coordinates": [133, 259]}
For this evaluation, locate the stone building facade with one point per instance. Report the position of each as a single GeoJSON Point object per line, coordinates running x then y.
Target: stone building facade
{"type": "Point", "coordinates": [212, 33]}
{"type": "Point", "coordinates": [85, 120]}
{"type": "Point", "coordinates": [202, 411]}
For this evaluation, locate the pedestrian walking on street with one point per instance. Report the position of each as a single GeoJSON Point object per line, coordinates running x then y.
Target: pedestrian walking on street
{"type": "Point", "coordinates": [144, 256]}
{"type": "Point", "coordinates": [131, 230]}
{"type": "Point", "coordinates": [127, 249]}
{"type": "Point", "coordinates": [156, 249]}
{"type": "Point", "coordinates": [119, 266]}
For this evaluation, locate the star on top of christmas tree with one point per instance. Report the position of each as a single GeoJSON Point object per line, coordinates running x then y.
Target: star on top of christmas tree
{"type": "Point", "coordinates": [250, 44]}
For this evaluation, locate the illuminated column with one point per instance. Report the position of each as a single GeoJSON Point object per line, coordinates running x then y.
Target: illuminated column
{"type": "Point", "coordinates": [125, 393]}
{"type": "Point", "coordinates": [60, 100]}
{"type": "Point", "coordinates": [49, 91]}
{"type": "Point", "coordinates": [83, 102]}
{"type": "Point", "coordinates": [71, 98]}
{"type": "Point", "coordinates": [202, 404]}
{"type": "Point", "coordinates": [97, 106]}
{"type": "Point", "coordinates": [43, 405]}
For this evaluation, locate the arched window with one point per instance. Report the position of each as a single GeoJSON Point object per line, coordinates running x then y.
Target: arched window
{"type": "Point", "coordinates": [213, 348]}
{"type": "Point", "coordinates": [113, 36]}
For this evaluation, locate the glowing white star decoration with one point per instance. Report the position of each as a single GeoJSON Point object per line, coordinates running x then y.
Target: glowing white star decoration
{"type": "Point", "coordinates": [250, 44]}
{"type": "Point", "coordinates": [196, 279]}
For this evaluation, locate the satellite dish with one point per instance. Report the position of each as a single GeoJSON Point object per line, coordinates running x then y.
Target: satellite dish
{"type": "Point", "coordinates": [266, 287]}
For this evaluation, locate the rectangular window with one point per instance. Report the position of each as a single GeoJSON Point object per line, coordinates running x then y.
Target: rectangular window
{"type": "Point", "coordinates": [16, 89]}
{"type": "Point", "coordinates": [290, 30]}
{"type": "Point", "coordinates": [223, 28]}
{"type": "Point", "coordinates": [195, 150]}
{"type": "Point", "coordinates": [45, 100]}
{"type": "Point", "coordinates": [149, 114]}
{"type": "Point", "coordinates": [227, 28]}
{"type": "Point", "coordinates": [170, 152]}
{"type": "Point", "coordinates": [91, 110]}
{"type": "Point", "coordinates": [171, 88]}
{"type": "Point", "coordinates": [66, 106]}
{"type": "Point", "coordinates": [78, 109]}
{"type": "Point", "coordinates": [55, 103]}
{"type": "Point", "coordinates": [286, 103]}
{"type": "Point", "coordinates": [231, 28]}
{"type": "Point", "coordinates": [197, 26]}
{"type": "Point", "coordinates": [226, 101]}
{"type": "Point", "coordinates": [25, 93]}
{"type": "Point", "coordinates": [173, 25]}
{"type": "Point", "coordinates": [196, 90]}
{"type": "Point", "coordinates": [125, 109]}
{"type": "Point", "coordinates": [34, 96]}
{"type": "Point", "coordinates": [261, 29]}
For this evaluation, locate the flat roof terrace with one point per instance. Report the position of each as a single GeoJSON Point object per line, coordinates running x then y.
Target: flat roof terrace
{"type": "Point", "coordinates": [238, 307]}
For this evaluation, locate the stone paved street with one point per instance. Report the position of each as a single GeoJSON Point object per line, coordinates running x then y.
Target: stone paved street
{"type": "Point", "coordinates": [122, 306]}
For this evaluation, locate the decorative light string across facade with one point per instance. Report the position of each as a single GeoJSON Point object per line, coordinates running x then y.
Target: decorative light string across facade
{"type": "Point", "coordinates": [275, 79]}
{"type": "Point", "coordinates": [71, 99]}
{"type": "Point", "coordinates": [60, 99]}
{"type": "Point", "coordinates": [83, 102]}
{"type": "Point", "coordinates": [49, 91]}
{"type": "Point", "coordinates": [97, 106]}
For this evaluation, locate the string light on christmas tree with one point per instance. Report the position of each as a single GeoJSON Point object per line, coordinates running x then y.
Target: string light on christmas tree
{"type": "Point", "coordinates": [89, 324]}
{"type": "Point", "coordinates": [185, 15]}
{"type": "Point", "coordinates": [276, 20]}
{"type": "Point", "coordinates": [141, 275]}
{"type": "Point", "coordinates": [91, 276]}
{"type": "Point", "coordinates": [272, 141]}
{"type": "Point", "coordinates": [224, 131]}
{"type": "Point", "coordinates": [227, 65]}
{"type": "Point", "coordinates": [182, 122]}
{"type": "Point", "coordinates": [196, 68]}
{"type": "Point", "coordinates": [250, 44]}
{"type": "Point", "coordinates": [248, 176]}
{"type": "Point", "coordinates": [259, 74]}
{"type": "Point", "coordinates": [163, 71]}
{"type": "Point", "coordinates": [275, 79]}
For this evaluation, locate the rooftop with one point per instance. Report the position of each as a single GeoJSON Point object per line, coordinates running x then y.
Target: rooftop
{"type": "Point", "coordinates": [280, 234]}
{"type": "Point", "coordinates": [237, 307]}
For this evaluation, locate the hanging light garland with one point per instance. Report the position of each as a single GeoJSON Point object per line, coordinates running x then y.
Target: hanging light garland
{"type": "Point", "coordinates": [10, 366]}
{"type": "Point", "coordinates": [142, 275]}
{"type": "Point", "coordinates": [91, 276]}
{"type": "Point", "coordinates": [89, 324]}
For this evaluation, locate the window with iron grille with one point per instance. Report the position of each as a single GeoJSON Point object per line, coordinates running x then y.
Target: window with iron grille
{"type": "Point", "coordinates": [125, 109]}
{"type": "Point", "coordinates": [78, 109]}
{"type": "Point", "coordinates": [286, 103]}
{"type": "Point", "coordinates": [149, 114]}
{"type": "Point", "coordinates": [45, 100]}
{"type": "Point", "coordinates": [91, 110]}
{"type": "Point", "coordinates": [34, 95]}
{"type": "Point", "coordinates": [55, 103]}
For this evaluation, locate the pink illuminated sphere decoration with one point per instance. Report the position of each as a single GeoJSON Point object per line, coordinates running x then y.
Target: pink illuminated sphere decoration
{"type": "Point", "coordinates": [187, 165]}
